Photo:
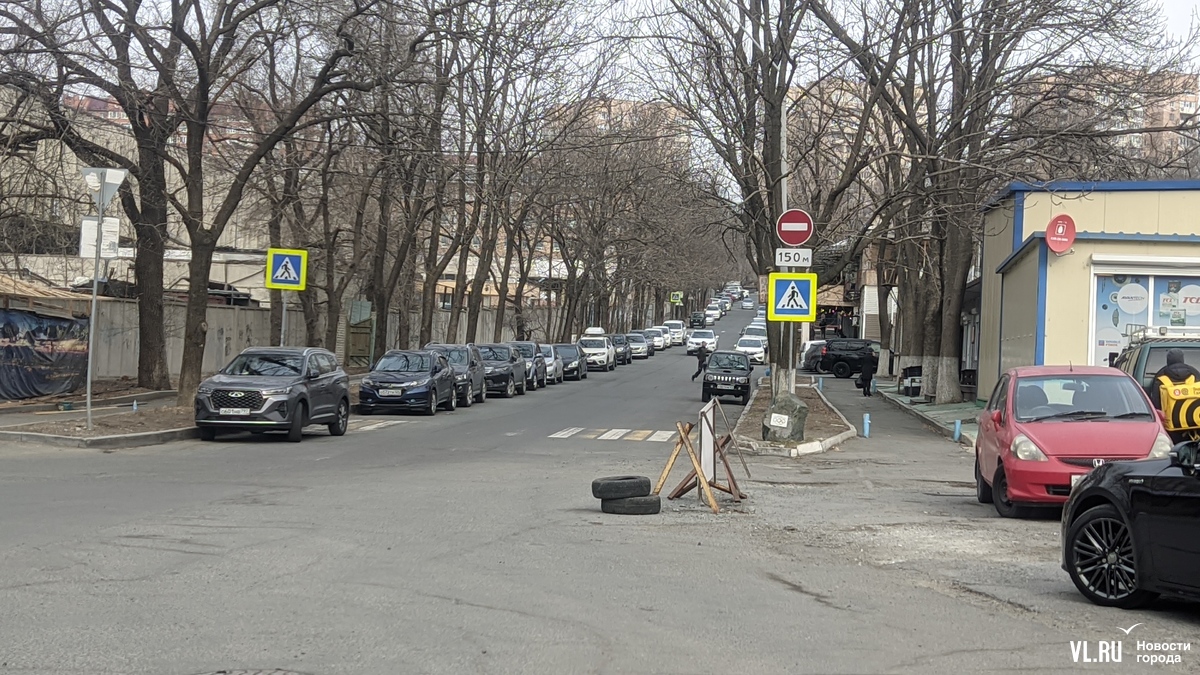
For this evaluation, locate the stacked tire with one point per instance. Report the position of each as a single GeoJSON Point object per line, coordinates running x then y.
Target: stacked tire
{"type": "Point", "coordinates": [626, 495]}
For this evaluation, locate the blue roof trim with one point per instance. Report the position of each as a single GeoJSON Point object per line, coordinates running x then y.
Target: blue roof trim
{"type": "Point", "coordinates": [1039, 337]}
{"type": "Point", "coordinates": [1018, 187]}
{"type": "Point", "coordinates": [1018, 223]}
{"type": "Point", "coordinates": [1016, 255]}
{"type": "Point", "coordinates": [1098, 236]}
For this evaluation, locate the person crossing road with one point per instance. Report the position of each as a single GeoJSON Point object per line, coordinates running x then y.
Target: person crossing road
{"type": "Point", "coordinates": [701, 360]}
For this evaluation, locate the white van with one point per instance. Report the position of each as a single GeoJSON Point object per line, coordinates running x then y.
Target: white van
{"type": "Point", "coordinates": [676, 328]}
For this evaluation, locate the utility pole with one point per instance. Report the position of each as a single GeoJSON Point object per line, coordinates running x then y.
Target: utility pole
{"type": "Point", "coordinates": [103, 184]}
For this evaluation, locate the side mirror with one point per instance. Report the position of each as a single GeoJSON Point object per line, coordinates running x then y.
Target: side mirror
{"type": "Point", "coordinates": [997, 417]}
{"type": "Point", "coordinates": [1162, 418]}
{"type": "Point", "coordinates": [312, 375]}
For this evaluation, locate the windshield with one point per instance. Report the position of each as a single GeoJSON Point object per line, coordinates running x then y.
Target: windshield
{"type": "Point", "coordinates": [702, 334]}
{"type": "Point", "coordinates": [735, 361]}
{"type": "Point", "coordinates": [750, 342]}
{"type": "Point", "coordinates": [266, 365]}
{"type": "Point", "coordinates": [714, 308]}
{"type": "Point", "coordinates": [674, 325]}
{"type": "Point", "coordinates": [756, 330]}
{"type": "Point", "coordinates": [526, 350]}
{"type": "Point", "coordinates": [1083, 395]}
{"type": "Point", "coordinates": [547, 351]}
{"type": "Point", "coordinates": [495, 353]}
{"type": "Point", "coordinates": [457, 356]}
{"type": "Point", "coordinates": [567, 351]}
{"type": "Point", "coordinates": [653, 332]}
{"type": "Point", "coordinates": [618, 340]}
{"type": "Point", "coordinates": [636, 337]}
{"type": "Point", "coordinates": [593, 343]}
{"type": "Point", "coordinates": [404, 363]}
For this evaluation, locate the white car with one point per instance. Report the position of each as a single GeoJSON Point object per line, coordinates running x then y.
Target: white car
{"type": "Point", "coordinates": [676, 328]}
{"type": "Point", "coordinates": [713, 311]}
{"type": "Point", "coordinates": [666, 336]}
{"type": "Point", "coordinates": [701, 337]}
{"type": "Point", "coordinates": [656, 338]}
{"type": "Point", "coordinates": [594, 331]}
{"type": "Point", "coordinates": [755, 331]}
{"type": "Point", "coordinates": [599, 352]}
{"type": "Point", "coordinates": [754, 348]}
{"type": "Point", "coordinates": [554, 364]}
{"type": "Point", "coordinates": [747, 304]}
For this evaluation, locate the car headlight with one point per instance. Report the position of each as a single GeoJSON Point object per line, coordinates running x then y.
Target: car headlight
{"type": "Point", "coordinates": [709, 378]}
{"type": "Point", "coordinates": [489, 370]}
{"type": "Point", "coordinates": [204, 389]}
{"type": "Point", "coordinates": [278, 391]}
{"type": "Point", "coordinates": [418, 383]}
{"type": "Point", "coordinates": [368, 382]}
{"type": "Point", "coordinates": [743, 380]}
{"type": "Point", "coordinates": [1025, 449]}
{"type": "Point", "coordinates": [462, 377]}
{"type": "Point", "coordinates": [1162, 447]}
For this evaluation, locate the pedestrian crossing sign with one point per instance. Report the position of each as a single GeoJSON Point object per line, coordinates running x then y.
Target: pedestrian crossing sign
{"type": "Point", "coordinates": [287, 269]}
{"type": "Point", "coordinates": [792, 296]}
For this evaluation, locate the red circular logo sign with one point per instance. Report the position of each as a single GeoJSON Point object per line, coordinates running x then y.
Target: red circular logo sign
{"type": "Point", "coordinates": [1060, 233]}
{"type": "Point", "coordinates": [794, 227]}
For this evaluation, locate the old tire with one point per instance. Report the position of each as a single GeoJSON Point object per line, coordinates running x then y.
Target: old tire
{"type": "Point", "coordinates": [632, 506]}
{"type": "Point", "coordinates": [296, 430]}
{"type": "Point", "coordinates": [341, 421]}
{"type": "Point", "coordinates": [983, 491]}
{"type": "Point", "coordinates": [208, 434]}
{"type": "Point", "coordinates": [620, 487]}
{"type": "Point", "coordinates": [842, 370]}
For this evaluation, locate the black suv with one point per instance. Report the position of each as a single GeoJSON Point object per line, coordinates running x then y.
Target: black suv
{"type": "Point", "coordinates": [468, 371]}
{"type": "Point", "coordinates": [844, 356]}
{"type": "Point", "coordinates": [696, 320]}
{"type": "Point", "coordinates": [728, 374]}
{"type": "Point", "coordinates": [504, 369]}
{"type": "Point", "coordinates": [622, 348]}
{"type": "Point", "coordinates": [275, 389]}
{"type": "Point", "coordinates": [535, 375]}
{"type": "Point", "coordinates": [1145, 356]}
{"type": "Point", "coordinates": [409, 380]}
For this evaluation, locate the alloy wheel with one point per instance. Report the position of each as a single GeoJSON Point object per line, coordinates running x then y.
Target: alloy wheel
{"type": "Point", "coordinates": [1104, 558]}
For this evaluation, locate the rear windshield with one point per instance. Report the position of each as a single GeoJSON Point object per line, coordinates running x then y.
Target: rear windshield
{"type": "Point", "coordinates": [750, 342]}
{"type": "Point", "coordinates": [567, 351]}
{"type": "Point", "coordinates": [756, 330]}
{"type": "Point", "coordinates": [1063, 395]}
{"type": "Point", "coordinates": [636, 337]}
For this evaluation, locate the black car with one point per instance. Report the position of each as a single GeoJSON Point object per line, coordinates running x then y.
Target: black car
{"type": "Point", "coordinates": [1146, 354]}
{"type": "Point", "coordinates": [505, 369]}
{"type": "Point", "coordinates": [728, 374]}
{"type": "Point", "coordinates": [468, 371]}
{"type": "Point", "coordinates": [844, 356]}
{"type": "Point", "coordinates": [409, 380]}
{"type": "Point", "coordinates": [696, 320]}
{"type": "Point", "coordinates": [1131, 530]}
{"type": "Point", "coordinates": [574, 363]}
{"type": "Point", "coordinates": [275, 389]}
{"type": "Point", "coordinates": [622, 348]}
{"type": "Point", "coordinates": [535, 375]}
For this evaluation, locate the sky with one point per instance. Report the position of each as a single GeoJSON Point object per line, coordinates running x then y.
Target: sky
{"type": "Point", "coordinates": [1179, 14]}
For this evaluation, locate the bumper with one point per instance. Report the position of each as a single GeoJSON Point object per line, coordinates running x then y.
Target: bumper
{"type": "Point", "coordinates": [412, 399]}
{"type": "Point", "coordinates": [464, 389]}
{"type": "Point", "coordinates": [722, 389]}
{"type": "Point", "coordinates": [272, 415]}
{"type": "Point", "coordinates": [497, 381]}
{"type": "Point", "coordinates": [570, 371]}
{"type": "Point", "coordinates": [597, 362]}
{"type": "Point", "coordinates": [1040, 482]}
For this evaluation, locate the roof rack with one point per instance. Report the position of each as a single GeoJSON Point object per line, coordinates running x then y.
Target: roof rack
{"type": "Point", "coordinates": [1139, 333]}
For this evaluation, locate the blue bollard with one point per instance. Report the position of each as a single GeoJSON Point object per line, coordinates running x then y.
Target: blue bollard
{"type": "Point", "coordinates": [866, 425]}
{"type": "Point", "coordinates": [957, 430]}
{"type": "Point", "coordinates": [135, 405]}
{"type": "Point", "coordinates": [820, 384]}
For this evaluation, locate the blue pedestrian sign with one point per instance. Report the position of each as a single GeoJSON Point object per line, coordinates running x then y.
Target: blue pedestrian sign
{"type": "Point", "coordinates": [287, 269]}
{"type": "Point", "coordinates": [792, 296]}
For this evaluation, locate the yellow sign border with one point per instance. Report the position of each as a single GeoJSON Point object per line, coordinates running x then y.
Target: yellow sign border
{"type": "Point", "coordinates": [772, 300]}
{"type": "Point", "coordinates": [273, 253]}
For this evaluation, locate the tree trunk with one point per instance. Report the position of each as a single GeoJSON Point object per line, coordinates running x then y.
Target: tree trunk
{"type": "Point", "coordinates": [502, 289]}
{"type": "Point", "coordinates": [312, 318]}
{"type": "Point", "coordinates": [195, 330]}
{"type": "Point", "coordinates": [956, 264]}
{"type": "Point", "coordinates": [153, 372]}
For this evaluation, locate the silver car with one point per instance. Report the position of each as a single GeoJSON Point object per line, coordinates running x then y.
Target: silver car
{"type": "Point", "coordinates": [554, 364]}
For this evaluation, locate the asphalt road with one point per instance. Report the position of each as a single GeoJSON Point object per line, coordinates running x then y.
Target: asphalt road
{"type": "Point", "coordinates": [470, 543]}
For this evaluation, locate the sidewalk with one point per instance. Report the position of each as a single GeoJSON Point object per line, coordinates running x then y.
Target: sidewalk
{"type": "Point", "coordinates": [941, 417]}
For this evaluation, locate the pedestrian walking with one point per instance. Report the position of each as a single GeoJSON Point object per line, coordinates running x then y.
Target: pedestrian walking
{"type": "Point", "coordinates": [1175, 372]}
{"type": "Point", "coordinates": [701, 360]}
{"type": "Point", "coordinates": [868, 374]}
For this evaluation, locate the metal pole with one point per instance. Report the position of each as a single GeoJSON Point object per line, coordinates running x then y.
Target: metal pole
{"type": "Point", "coordinates": [92, 318]}
{"type": "Point", "coordinates": [789, 375]}
{"type": "Point", "coordinates": [283, 321]}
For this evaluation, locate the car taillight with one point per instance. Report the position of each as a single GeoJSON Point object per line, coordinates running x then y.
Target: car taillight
{"type": "Point", "coordinates": [824, 351]}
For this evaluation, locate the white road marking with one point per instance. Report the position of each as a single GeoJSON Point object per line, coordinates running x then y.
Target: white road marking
{"type": "Point", "coordinates": [382, 425]}
{"type": "Point", "coordinates": [566, 433]}
{"type": "Point", "coordinates": [661, 436]}
{"type": "Point", "coordinates": [614, 434]}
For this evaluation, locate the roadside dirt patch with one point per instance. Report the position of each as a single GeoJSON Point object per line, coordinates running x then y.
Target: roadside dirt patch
{"type": "Point", "coordinates": [101, 389]}
{"type": "Point", "coordinates": [822, 421]}
{"type": "Point", "coordinates": [155, 419]}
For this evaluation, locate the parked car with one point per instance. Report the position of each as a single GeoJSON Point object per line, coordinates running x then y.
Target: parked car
{"type": "Point", "coordinates": [712, 314]}
{"type": "Point", "coordinates": [624, 351]}
{"type": "Point", "coordinates": [1045, 427]}
{"type": "Point", "coordinates": [535, 371]}
{"type": "Point", "coordinates": [468, 371]}
{"type": "Point", "coordinates": [810, 355]}
{"type": "Point", "coordinates": [275, 389]}
{"type": "Point", "coordinates": [706, 337]}
{"type": "Point", "coordinates": [728, 374]}
{"type": "Point", "coordinates": [593, 331]}
{"type": "Point", "coordinates": [844, 356]}
{"type": "Point", "coordinates": [754, 348]}
{"type": "Point", "coordinates": [639, 348]}
{"type": "Point", "coordinates": [554, 364]}
{"type": "Point", "coordinates": [1146, 353]}
{"type": "Point", "coordinates": [505, 369]}
{"type": "Point", "coordinates": [726, 303]}
{"type": "Point", "coordinates": [666, 332]}
{"type": "Point", "coordinates": [1128, 530]}
{"type": "Point", "coordinates": [675, 329]}
{"type": "Point", "coordinates": [409, 380]}
{"type": "Point", "coordinates": [761, 313]}
{"type": "Point", "coordinates": [747, 304]}
{"type": "Point", "coordinates": [755, 331]}
{"type": "Point", "coordinates": [656, 338]}
{"type": "Point", "coordinates": [599, 353]}
{"type": "Point", "coordinates": [574, 364]}
{"type": "Point", "coordinates": [696, 320]}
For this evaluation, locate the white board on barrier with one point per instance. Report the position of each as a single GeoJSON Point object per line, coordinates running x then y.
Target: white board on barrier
{"type": "Point", "coordinates": [708, 434]}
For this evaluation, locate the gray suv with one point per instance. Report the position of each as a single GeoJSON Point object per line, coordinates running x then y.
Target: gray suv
{"type": "Point", "coordinates": [275, 389]}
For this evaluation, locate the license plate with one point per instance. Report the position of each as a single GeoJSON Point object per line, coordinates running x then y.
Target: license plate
{"type": "Point", "coordinates": [391, 392]}
{"type": "Point", "coordinates": [1075, 479]}
{"type": "Point", "coordinates": [235, 411]}
{"type": "Point", "coordinates": [725, 386]}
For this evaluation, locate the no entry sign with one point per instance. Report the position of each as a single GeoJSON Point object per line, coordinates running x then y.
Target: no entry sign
{"type": "Point", "coordinates": [794, 227]}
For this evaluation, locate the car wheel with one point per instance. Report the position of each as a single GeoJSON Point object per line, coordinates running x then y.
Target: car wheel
{"type": "Point", "coordinates": [842, 370]}
{"type": "Point", "coordinates": [745, 399]}
{"type": "Point", "coordinates": [452, 401]}
{"type": "Point", "coordinates": [544, 381]}
{"type": "Point", "coordinates": [510, 389]}
{"type": "Point", "coordinates": [1004, 506]}
{"type": "Point", "coordinates": [208, 434]}
{"type": "Point", "coordinates": [612, 366]}
{"type": "Point", "coordinates": [983, 491]}
{"type": "Point", "coordinates": [296, 430]}
{"type": "Point", "coordinates": [341, 422]}
{"type": "Point", "coordinates": [468, 400]}
{"type": "Point", "coordinates": [705, 396]}
{"type": "Point", "coordinates": [523, 388]}
{"type": "Point", "coordinates": [1100, 559]}
{"type": "Point", "coordinates": [482, 396]}
{"type": "Point", "coordinates": [431, 409]}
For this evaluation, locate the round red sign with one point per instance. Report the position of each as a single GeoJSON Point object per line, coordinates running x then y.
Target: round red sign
{"type": "Point", "coordinates": [1060, 233]}
{"type": "Point", "coordinates": [794, 227]}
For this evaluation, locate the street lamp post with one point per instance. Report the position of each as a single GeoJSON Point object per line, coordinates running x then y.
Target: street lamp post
{"type": "Point", "coordinates": [103, 185]}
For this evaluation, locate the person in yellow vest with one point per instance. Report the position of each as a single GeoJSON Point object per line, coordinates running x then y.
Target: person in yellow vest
{"type": "Point", "coordinates": [1176, 372]}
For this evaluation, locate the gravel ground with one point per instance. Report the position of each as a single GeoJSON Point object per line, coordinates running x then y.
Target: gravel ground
{"type": "Point", "coordinates": [157, 419]}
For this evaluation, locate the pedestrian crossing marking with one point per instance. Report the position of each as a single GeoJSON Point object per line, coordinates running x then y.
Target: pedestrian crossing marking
{"type": "Point", "coordinates": [614, 434]}
{"type": "Point", "coordinates": [639, 435]}
{"type": "Point", "coordinates": [383, 425]}
{"type": "Point", "coordinates": [591, 434]}
{"type": "Point", "coordinates": [792, 299]}
{"type": "Point", "coordinates": [566, 433]}
{"type": "Point", "coordinates": [661, 436]}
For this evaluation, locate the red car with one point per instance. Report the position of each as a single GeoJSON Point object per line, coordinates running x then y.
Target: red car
{"type": "Point", "coordinates": [1047, 426]}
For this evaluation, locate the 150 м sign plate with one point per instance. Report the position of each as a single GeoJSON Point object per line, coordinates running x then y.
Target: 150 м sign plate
{"type": "Point", "coordinates": [793, 257]}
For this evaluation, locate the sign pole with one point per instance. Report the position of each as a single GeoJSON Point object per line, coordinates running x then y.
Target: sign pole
{"type": "Point", "coordinates": [283, 320]}
{"type": "Point", "coordinates": [103, 184]}
{"type": "Point", "coordinates": [286, 270]}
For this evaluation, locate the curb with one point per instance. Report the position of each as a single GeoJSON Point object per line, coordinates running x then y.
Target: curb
{"type": "Point", "coordinates": [929, 421]}
{"type": "Point", "coordinates": [811, 447]}
{"type": "Point", "coordinates": [126, 398]}
{"type": "Point", "coordinates": [103, 442]}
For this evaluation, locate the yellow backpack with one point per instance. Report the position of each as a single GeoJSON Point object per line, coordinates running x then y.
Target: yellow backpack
{"type": "Point", "coordinates": [1180, 403]}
